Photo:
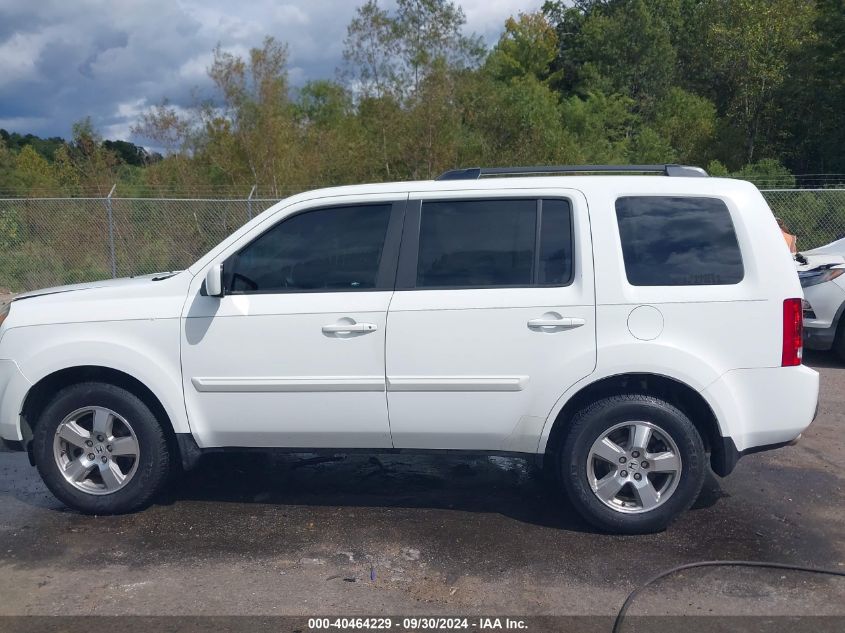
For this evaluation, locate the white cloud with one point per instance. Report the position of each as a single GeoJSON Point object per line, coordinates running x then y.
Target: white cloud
{"type": "Point", "coordinates": [17, 55]}
{"type": "Point", "coordinates": [61, 61]}
{"type": "Point", "coordinates": [486, 17]}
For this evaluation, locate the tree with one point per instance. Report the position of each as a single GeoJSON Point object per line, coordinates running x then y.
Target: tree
{"type": "Point", "coordinates": [816, 136]}
{"type": "Point", "coordinates": [527, 47]}
{"type": "Point", "coordinates": [602, 126]}
{"type": "Point", "coordinates": [688, 123]}
{"type": "Point", "coordinates": [129, 153]}
{"type": "Point", "coordinates": [749, 46]}
{"type": "Point", "coordinates": [86, 163]}
{"type": "Point", "coordinates": [33, 171]}
{"type": "Point", "coordinates": [614, 46]}
{"type": "Point", "coordinates": [402, 66]}
{"type": "Point", "coordinates": [392, 54]}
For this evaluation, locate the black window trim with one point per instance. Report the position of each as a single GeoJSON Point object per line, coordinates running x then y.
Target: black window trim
{"type": "Point", "coordinates": [386, 274]}
{"type": "Point", "coordinates": [406, 275]}
{"type": "Point", "coordinates": [705, 196]}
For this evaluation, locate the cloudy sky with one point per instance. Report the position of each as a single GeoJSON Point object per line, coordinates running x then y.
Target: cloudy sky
{"type": "Point", "coordinates": [111, 59]}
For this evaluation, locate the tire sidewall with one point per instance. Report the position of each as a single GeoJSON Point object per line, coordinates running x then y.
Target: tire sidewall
{"type": "Point", "coordinates": [594, 422]}
{"type": "Point", "coordinates": [151, 460]}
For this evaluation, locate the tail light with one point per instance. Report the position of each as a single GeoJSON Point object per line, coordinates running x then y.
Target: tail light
{"type": "Point", "coordinates": [793, 324]}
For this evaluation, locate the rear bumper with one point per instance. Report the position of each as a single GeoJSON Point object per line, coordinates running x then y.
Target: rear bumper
{"type": "Point", "coordinates": [763, 408]}
{"type": "Point", "coordinates": [723, 461]}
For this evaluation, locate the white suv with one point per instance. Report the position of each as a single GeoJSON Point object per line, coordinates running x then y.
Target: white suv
{"type": "Point", "coordinates": [624, 329]}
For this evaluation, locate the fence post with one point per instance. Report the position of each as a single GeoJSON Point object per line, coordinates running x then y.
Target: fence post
{"type": "Point", "coordinates": [249, 202]}
{"type": "Point", "coordinates": [111, 233]}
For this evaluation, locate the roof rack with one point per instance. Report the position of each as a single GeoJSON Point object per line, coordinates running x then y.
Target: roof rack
{"type": "Point", "coordinates": [474, 173]}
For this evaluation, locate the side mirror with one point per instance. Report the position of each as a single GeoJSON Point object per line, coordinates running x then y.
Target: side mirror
{"type": "Point", "coordinates": [214, 281]}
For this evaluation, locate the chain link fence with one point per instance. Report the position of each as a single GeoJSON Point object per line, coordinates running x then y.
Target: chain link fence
{"type": "Point", "coordinates": [53, 241]}
{"type": "Point", "coordinates": [816, 216]}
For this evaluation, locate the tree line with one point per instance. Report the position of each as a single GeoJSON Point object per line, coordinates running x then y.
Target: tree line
{"type": "Point", "coordinates": [752, 88]}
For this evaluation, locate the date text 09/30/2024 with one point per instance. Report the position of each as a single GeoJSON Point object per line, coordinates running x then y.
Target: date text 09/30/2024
{"type": "Point", "coordinates": [417, 624]}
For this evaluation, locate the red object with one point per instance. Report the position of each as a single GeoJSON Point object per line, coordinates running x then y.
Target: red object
{"type": "Point", "coordinates": [793, 325]}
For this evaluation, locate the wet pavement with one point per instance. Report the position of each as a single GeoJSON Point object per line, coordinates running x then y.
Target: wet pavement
{"type": "Point", "coordinates": [356, 534]}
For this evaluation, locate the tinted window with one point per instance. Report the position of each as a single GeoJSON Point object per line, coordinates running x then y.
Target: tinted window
{"type": "Point", "coordinates": [555, 263]}
{"type": "Point", "coordinates": [327, 249]}
{"type": "Point", "coordinates": [678, 241]}
{"type": "Point", "coordinates": [476, 243]}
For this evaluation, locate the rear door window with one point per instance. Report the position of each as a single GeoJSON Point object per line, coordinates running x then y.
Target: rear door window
{"type": "Point", "coordinates": [554, 266]}
{"type": "Point", "coordinates": [678, 241]}
{"type": "Point", "coordinates": [494, 243]}
{"type": "Point", "coordinates": [476, 243]}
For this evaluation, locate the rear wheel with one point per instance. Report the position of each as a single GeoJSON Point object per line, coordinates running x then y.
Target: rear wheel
{"type": "Point", "coordinates": [632, 463]}
{"type": "Point", "coordinates": [100, 449]}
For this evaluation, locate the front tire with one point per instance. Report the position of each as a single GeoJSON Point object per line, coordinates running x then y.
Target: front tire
{"type": "Point", "coordinates": [100, 449]}
{"type": "Point", "coordinates": [632, 463]}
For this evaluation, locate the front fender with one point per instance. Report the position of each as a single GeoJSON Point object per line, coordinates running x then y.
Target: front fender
{"type": "Point", "coordinates": [147, 350]}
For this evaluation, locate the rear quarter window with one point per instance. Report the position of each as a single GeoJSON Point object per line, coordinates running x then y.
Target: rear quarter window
{"type": "Point", "coordinates": [678, 241]}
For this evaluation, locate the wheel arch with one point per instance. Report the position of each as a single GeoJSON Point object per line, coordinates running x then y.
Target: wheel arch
{"type": "Point", "coordinates": [678, 393]}
{"type": "Point", "coordinates": [38, 396]}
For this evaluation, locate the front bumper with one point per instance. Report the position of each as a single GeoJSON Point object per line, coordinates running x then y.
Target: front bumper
{"type": "Point", "coordinates": [825, 301]}
{"type": "Point", "coordinates": [10, 446]}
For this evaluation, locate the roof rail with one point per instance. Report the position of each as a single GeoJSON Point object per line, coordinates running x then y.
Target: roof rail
{"type": "Point", "coordinates": [474, 173]}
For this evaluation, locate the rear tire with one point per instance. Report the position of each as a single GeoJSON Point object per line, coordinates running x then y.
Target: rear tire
{"type": "Point", "coordinates": [100, 449]}
{"type": "Point", "coordinates": [632, 463]}
{"type": "Point", "coordinates": [839, 340]}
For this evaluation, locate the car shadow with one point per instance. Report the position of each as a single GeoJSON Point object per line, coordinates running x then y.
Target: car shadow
{"type": "Point", "coordinates": [509, 486]}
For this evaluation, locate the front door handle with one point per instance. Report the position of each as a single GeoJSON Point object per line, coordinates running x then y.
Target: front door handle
{"type": "Point", "coordinates": [343, 328]}
{"type": "Point", "coordinates": [562, 322]}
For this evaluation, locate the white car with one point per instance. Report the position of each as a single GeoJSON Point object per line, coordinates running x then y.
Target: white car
{"type": "Point", "coordinates": [823, 280]}
{"type": "Point", "coordinates": [627, 330]}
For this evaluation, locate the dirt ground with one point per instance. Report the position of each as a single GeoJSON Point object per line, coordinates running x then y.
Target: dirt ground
{"type": "Point", "coordinates": [407, 535]}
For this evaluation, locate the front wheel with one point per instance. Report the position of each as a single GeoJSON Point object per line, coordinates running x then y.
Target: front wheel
{"type": "Point", "coordinates": [100, 450]}
{"type": "Point", "coordinates": [632, 463]}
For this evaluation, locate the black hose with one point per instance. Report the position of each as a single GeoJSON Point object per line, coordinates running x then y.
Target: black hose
{"type": "Point", "coordinates": [617, 624]}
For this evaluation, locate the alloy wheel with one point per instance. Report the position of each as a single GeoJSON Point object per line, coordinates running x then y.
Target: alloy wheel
{"type": "Point", "coordinates": [96, 450]}
{"type": "Point", "coordinates": [634, 467]}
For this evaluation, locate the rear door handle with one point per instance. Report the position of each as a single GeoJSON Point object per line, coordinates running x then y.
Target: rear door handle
{"type": "Point", "coordinates": [563, 322]}
{"type": "Point", "coordinates": [342, 328]}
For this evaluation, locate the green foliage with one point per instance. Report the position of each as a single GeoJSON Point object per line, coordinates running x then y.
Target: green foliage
{"type": "Point", "coordinates": [752, 88]}
{"type": "Point", "coordinates": [527, 48]}
{"type": "Point", "coordinates": [814, 93]}
{"type": "Point", "coordinates": [750, 44]}
{"type": "Point", "coordinates": [46, 147]}
{"type": "Point", "coordinates": [602, 126]}
{"type": "Point", "coordinates": [688, 123]}
{"type": "Point", "coordinates": [717, 169]}
{"type": "Point", "coordinates": [767, 169]}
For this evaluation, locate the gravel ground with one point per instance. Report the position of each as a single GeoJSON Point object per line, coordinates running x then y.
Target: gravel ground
{"type": "Point", "coordinates": [406, 535]}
